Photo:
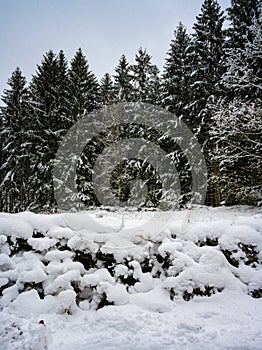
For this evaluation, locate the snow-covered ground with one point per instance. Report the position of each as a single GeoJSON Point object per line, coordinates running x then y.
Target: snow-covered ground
{"type": "Point", "coordinates": [195, 284]}
{"type": "Point", "coordinates": [228, 321]}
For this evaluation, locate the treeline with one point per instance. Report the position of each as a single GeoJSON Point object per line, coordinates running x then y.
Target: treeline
{"type": "Point", "coordinates": [211, 80]}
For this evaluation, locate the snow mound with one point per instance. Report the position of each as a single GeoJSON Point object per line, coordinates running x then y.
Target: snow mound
{"type": "Point", "coordinates": [55, 267]}
{"type": "Point", "coordinates": [76, 258]}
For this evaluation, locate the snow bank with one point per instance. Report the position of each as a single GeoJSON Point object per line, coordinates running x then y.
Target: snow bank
{"type": "Point", "coordinates": [103, 265]}
{"type": "Point", "coordinates": [67, 264]}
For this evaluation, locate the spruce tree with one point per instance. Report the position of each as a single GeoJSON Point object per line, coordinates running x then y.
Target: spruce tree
{"type": "Point", "coordinates": [207, 61]}
{"type": "Point", "coordinates": [83, 87]}
{"type": "Point", "coordinates": [63, 93]}
{"type": "Point", "coordinates": [154, 87]}
{"type": "Point", "coordinates": [243, 76]}
{"type": "Point", "coordinates": [236, 128]}
{"type": "Point", "coordinates": [84, 97]}
{"type": "Point", "coordinates": [107, 90]}
{"type": "Point", "coordinates": [123, 80]}
{"type": "Point", "coordinates": [176, 95]}
{"type": "Point", "coordinates": [237, 135]}
{"type": "Point", "coordinates": [48, 93]}
{"type": "Point", "coordinates": [144, 76]}
{"type": "Point", "coordinates": [140, 83]}
{"type": "Point", "coordinates": [243, 54]}
{"type": "Point", "coordinates": [208, 46]}
{"type": "Point", "coordinates": [242, 14]}
{"type": "Point", "coordinates": [1, 156]}
{"type": "Point", "coordinates": [16, 156]}
{"type": "Point", "coordinates": [176, 90]}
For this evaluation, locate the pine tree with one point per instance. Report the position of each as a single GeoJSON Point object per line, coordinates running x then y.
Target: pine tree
{"type": "Point", "coordinates": [16, 146]}
{"type": "Point", "coordinates": [176, 89]}
{"type": "Point", "coordinates": [123, 80]}
{"type": "Point", "coordinates": [107, 90]}
{"type": "Point", "coordinates": [83, 87]}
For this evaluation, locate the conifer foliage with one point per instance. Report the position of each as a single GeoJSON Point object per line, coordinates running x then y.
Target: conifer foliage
{"type": "Point", "coordinates": [236, 119]}
{"type": "Point", "coordinates": [176, 90]}
{"type": "Point", "coordinates": [48, 96]}
{"type": "Point", "coordinates": [16, 145]}
{"type": "Point", "coordinates": [242, 14]}
{"type": "Point", "coordinates": [107, 90]}
{"type": "Point", "coordinates": [83, 87]}
{"type": "Point", "coordinates": [207, 64]}
{"type": "Point", "coordinates": [211, 81]}
{"type": "Point", "coordinates": [123, 80]}
{"type": "Point", "coordinates": [145, 78]}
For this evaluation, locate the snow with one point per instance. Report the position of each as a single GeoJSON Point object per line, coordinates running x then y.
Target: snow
{"type": "Point", "coordinates": [43, 243]}
{"type": "Point", "coordinates": [146, 281]}
{"type": "Point", "coordinates": [190, 286]}
{"type": "Point", "coordinates": [97, 277]}
{"type": "Point", "coordinates": [231, 321]}
{"type": "Point", "coordinates": [116, 293]}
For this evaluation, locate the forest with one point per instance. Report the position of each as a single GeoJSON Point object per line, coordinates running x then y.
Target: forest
{"type": "Point", "coordinates": [130, 206]}
{"type": "Point", "coordinates": [211, 80]}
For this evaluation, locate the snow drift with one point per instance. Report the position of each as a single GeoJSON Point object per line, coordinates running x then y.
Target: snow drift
{"type": "Point", "coordinates": [51, 266]}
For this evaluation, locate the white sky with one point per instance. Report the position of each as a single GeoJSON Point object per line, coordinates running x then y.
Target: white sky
{"type": "Point", "coordinates": [105, 29]}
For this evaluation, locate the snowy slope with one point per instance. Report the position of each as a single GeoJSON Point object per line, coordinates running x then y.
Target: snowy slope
{"type": "Point", "coordinates": [104, 280]}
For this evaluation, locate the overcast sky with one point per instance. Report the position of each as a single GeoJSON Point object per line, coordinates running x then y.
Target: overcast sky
{"type": "Point", "coordinates": [104, 29]}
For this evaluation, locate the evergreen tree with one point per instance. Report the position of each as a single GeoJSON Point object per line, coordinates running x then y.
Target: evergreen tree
{"type": "Point", "coordinates": [177, 94]}
{"type": "Point", "coordinates": [236, 129]}
{"type": "Point", "coordinates": [123, 80]}
{"type": "Point", "coordinates": [176, 90]}
{"type": "Point", "coordinates": [243, 76]}
{"type": "Point", "coordinates": [1, 156]}
{"type": "Point", "coordinates": [154, 87]}
{"type": "Point", "coordinates": [63, 93]}
{"type": "Point", "coordinates": [16, 156]}
{"type": "Point", "coordinates": [242, 14]}
{"type": "Point", "coordinates": [107, 90]}
{"type": "Point", "coordinates": [83, 98]}
{"type": "Point", "coordinates": [49, 95]}
{"type": "Point", "coordinates": [139, 83]}
{"type": "Point", "coordinates": [208, 48]}
{"type": "Point", "coordinates": [45, 88]}
{"type": "Point", "coordinates": [83, 87]}
{"type": "Point", "coordinates": [207, 61]}
{"type": "Point", "coordinates": [144, 76]}
{"type": "Point", "coordinates": [236, 132]}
